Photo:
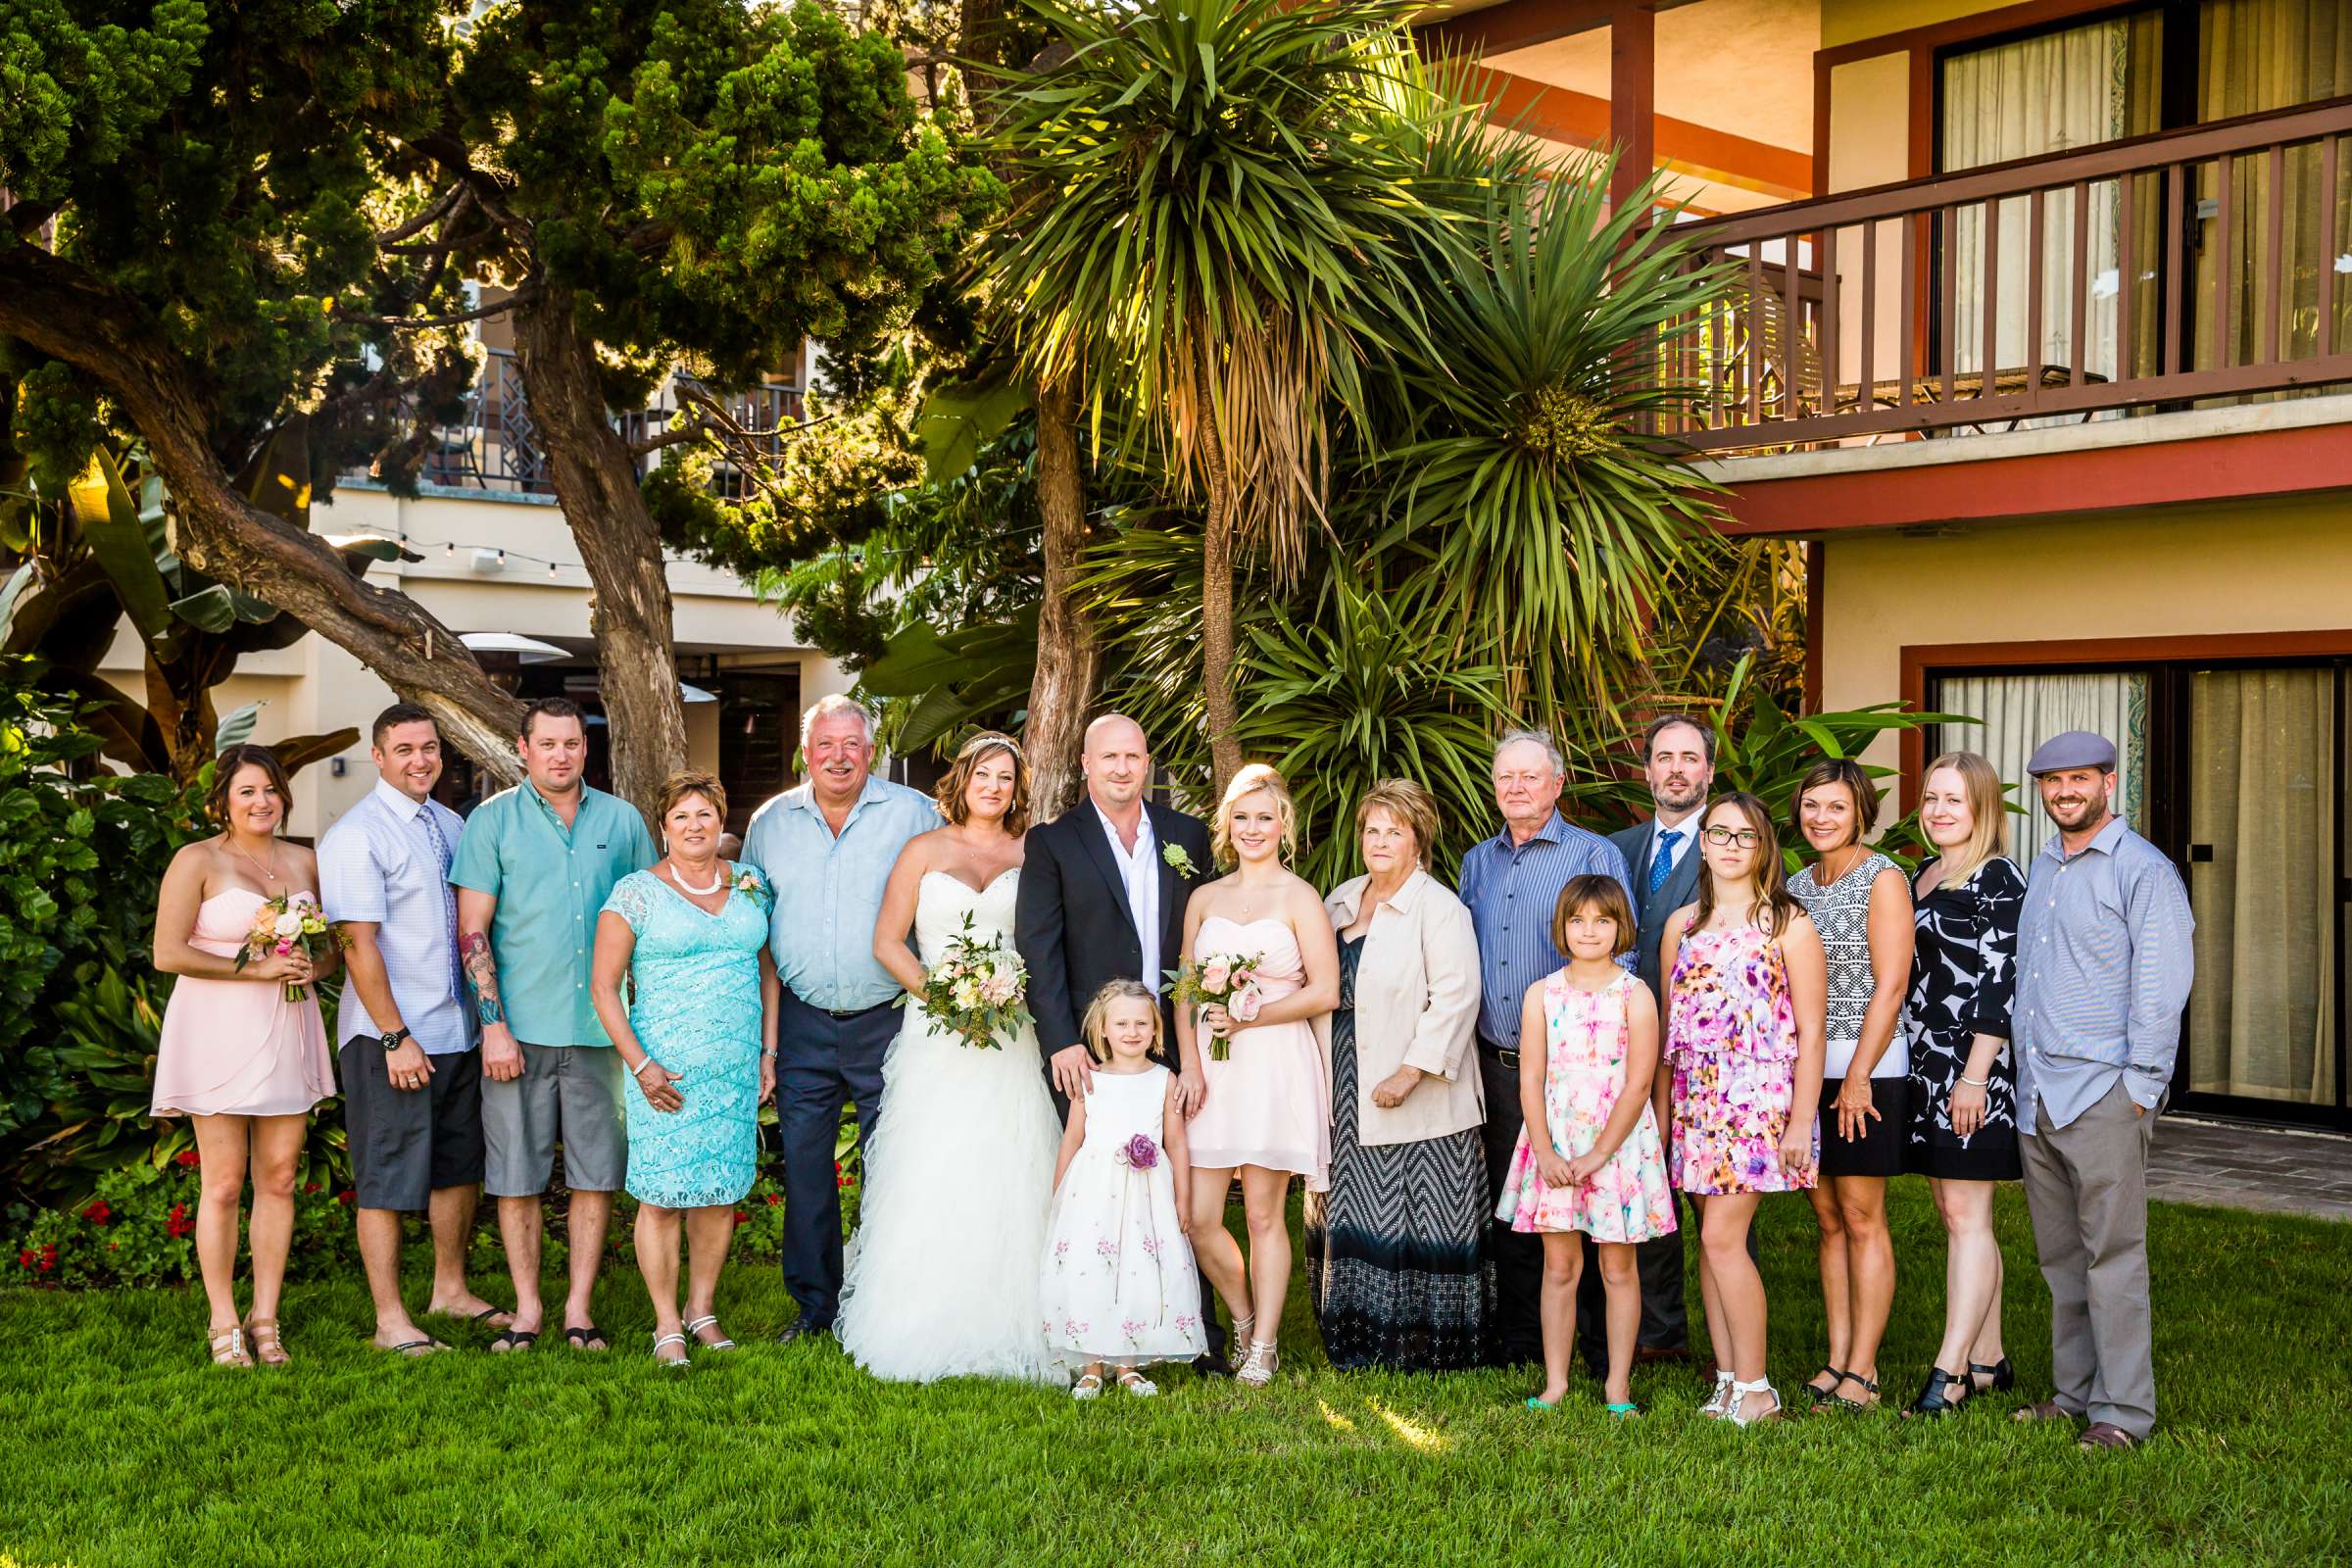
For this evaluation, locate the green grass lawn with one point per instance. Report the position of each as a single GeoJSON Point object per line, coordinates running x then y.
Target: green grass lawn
{"type": "Point", "coordinates": [121, 1447]}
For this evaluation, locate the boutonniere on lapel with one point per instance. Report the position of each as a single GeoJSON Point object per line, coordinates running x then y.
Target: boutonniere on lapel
{"type": "Point", "coordinates": [1179, 861]}
{"type": "Point", "coordinates": [747, 882]}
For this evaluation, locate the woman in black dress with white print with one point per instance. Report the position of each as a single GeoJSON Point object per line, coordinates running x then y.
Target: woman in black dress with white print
{"type": "Point", "coordinates": [1963, 1111]}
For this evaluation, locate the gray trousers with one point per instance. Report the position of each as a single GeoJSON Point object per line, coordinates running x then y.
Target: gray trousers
{"type": "Point", "coordinates": [2086, 1184]}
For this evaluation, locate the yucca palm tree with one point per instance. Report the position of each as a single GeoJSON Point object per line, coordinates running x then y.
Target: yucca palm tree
{"type": "Point", "coordinates": [1209, 231]}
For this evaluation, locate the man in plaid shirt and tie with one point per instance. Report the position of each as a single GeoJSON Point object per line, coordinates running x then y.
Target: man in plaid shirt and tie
{"type": "Point", "coordinates": [411, 1074]}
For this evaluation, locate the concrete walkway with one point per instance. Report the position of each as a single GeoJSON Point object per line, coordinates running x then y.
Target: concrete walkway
{"type": "Point", "coordinates": [2270, 1168]}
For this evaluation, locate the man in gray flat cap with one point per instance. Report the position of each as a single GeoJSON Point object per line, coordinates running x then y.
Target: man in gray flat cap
{"type": "Point", "coordinates": [2103, 969]}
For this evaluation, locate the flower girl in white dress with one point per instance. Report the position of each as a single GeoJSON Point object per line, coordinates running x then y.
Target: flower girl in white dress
{"type": "Point", "coordinates": [1119, 1285]}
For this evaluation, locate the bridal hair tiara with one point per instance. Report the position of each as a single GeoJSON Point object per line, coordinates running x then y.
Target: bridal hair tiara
{"type": "Point", "coordinates": [989, 737]}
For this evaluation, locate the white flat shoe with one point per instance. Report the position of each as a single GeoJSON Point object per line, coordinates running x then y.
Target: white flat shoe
{"type": "Point", "coordinates": [1089, 1386]}
{"type": "Point", "coordinates": [1135, 1383]}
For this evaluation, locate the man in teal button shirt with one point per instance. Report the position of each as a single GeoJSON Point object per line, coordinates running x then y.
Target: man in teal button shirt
{"type": "Point", "coordinates": [532, 871]}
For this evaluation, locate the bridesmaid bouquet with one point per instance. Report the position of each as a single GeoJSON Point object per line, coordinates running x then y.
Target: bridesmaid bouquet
{"type": "Point", "coordinates": [289, 922]}
{"type": "Point", "coordinates": [1223, 980]}
{"type": "Point", "coordinates": [978, 988]}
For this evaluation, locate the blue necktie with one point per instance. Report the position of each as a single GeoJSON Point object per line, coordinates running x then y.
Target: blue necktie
{"type": "Point", "coordinates": [449, 902]}
{"type": "Point", "coordinates": [1661, 866]}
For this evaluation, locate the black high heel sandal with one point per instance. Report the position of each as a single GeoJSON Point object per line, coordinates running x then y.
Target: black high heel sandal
{"type": "Point", "coordinates": [1821, 1398]}
{"type": "Point", "coordinates": [2003, 1375]}
{"type": "Point", "coordinates": [1931, 1400]}
{"type": "Point", "coordinates": [1838, 1402]}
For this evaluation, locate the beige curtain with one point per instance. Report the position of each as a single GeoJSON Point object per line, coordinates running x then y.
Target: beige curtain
{"type": "Point", "coordinates": [2020, 712]}
{"type": "Point", "coordinates": [2256, 55]}
{"type": "Point", "coordinates": [2266, 795]}
{"type": "Point", "coordinates": [2060, 92]}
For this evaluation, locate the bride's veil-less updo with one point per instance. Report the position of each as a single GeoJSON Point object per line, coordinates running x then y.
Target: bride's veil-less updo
{"type": "Point", "coordinates": [968, 758]}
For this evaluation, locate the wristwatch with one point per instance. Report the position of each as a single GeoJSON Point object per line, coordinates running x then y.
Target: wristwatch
{"type": "Point", "coordinates": [393, 1041]}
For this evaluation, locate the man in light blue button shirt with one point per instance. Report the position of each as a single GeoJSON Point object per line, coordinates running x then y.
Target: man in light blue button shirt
{"type": "Point", "coordinates": [412, 1078]}
{"type": "Point", "coordinates": [827, 846]}
{"type": "Point", "coordinates": [2104, 962]}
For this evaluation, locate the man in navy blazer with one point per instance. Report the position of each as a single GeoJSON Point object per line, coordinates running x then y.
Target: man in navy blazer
{"type": "Point", "coordinates": [1677, 757]}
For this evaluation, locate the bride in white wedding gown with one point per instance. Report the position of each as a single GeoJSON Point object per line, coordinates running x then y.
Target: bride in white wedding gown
{"type": "Point", "coordinates": [942, 1275]}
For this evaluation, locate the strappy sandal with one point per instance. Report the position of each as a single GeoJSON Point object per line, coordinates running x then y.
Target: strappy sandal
{"type": "Point", "coordinates": [1135, 1383]}
{"type": "Point", "coordinates": [1262, 1363]}
{"type": "Point", "coordinates": [1713, 1409]}
{"type": "Point", "coordinates": [269, 1346]}
{"type": "Point", "coordinates": [580, 1338]}
{"type": "Point", "coordinates": [2105, 1434]}
{"type": "Point", "coordinates": [1838, 1402]}
{"type": "Point", "coordinates": [1736, 1405]}
{"type": "Point", "coordinates": [228, 1347]}
{"type": "Point", "coordinates": [683, 1359]}
{"type": "Point", "coordinates": [1936, 1399]}
{"type": "Point", "coordinates": [1088, 1386]}
{"type": "Point", "coordinates": [696, 1327]}
{"type": "Point", "coordinates": [1819, 1398]}
{"type": "Point", "coordinates": [2001, 1377]}
{"type": "Point", "coordinates": [510, 1342]}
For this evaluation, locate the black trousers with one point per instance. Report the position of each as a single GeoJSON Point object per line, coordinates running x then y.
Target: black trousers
{"type": "Point", "coordinates": [822, 1063]}
{"type": "Point", "coordinates": [1517, 1335]}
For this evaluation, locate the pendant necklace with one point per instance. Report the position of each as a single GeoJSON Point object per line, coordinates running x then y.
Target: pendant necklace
{"type": "Point", "coordinates": [257, 865]}
{"type": "Point", "coordinates": [717, 880]}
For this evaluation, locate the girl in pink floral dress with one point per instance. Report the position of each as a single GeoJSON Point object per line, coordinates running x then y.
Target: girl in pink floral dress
{"type": "Point", "coordinates": [1599, 1169]}
{"type": "Point", "coordinates": [1745, 1025]}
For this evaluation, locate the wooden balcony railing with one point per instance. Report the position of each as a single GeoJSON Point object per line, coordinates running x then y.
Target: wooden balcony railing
{"type": "Point", "coordinates": [494, 445]}
{"type": "Point", "coordinates": [2195, 264]}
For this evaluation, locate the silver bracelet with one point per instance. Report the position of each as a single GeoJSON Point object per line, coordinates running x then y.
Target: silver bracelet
{"type": "Point", "coordinates": [1975, 1083]}
{"type": "Point", "coordinates": [638, 1072]}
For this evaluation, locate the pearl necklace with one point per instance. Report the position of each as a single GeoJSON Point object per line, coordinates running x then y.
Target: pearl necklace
{"type": "Point", "coordinates": [718, 880]}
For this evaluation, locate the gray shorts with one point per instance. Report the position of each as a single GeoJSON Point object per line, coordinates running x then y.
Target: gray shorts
{"type": "Point", "coordinates": [567, 1094]}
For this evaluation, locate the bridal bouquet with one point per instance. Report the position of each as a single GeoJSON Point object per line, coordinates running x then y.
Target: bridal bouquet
{"type": "Point", "coordinates": [287, 924]}
{"type": "Point", "coordinates": [1224, 980]}
{"type": "Point", "coordinates": [978, 988]}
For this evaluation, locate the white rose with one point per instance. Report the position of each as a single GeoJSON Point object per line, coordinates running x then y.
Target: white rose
{"type": "Point", "coordinates": [290, 924]}
{"type": "Point", "coordinates": [967, 994]}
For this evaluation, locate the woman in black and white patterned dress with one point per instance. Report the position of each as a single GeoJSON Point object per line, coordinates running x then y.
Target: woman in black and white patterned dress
{"type": "Point", "coordinates": [1862, 907]}
{"type": "Point", "coordinates": [1963, 1124]}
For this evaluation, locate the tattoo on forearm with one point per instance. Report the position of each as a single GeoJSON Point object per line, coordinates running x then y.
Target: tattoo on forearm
{"type": "Point", "coordinates": [481, 973]}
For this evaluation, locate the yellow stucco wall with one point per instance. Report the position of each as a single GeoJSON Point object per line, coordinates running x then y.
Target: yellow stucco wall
{"type": "Point", "coordinates": [1844, 21]}
{"type": "Point", "coordinates": [2186, 571]}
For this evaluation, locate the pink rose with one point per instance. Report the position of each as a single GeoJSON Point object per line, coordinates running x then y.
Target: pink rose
{"type": "Point", "coordinates": [1215, 975]}
{"type": "Point", "coordinates": [1245, 1004]}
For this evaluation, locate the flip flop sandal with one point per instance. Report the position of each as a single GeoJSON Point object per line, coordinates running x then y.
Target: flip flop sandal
{"type": "Point", "coordinates": [1623, 1410]}
{"type": "Point", "coordinates": [415, 1349]}
{"type": "Point", "coordinates": [2103, 1435]}
{"type": "Point", "coordinates": [2041, 1410]}
{"type": "Point", "coordinates": [580, 1336]}
{"type": "Point", "coordinates": [510, 1342]}
{"type": "Point", "coordinates": [483, 1316]}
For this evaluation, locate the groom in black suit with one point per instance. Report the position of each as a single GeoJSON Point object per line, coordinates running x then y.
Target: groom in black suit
{"type": "Point", "coordinates": [1102, 897]}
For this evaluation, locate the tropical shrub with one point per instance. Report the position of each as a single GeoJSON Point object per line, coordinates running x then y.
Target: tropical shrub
{"type": "Point", "coordinates": [136, 1226]}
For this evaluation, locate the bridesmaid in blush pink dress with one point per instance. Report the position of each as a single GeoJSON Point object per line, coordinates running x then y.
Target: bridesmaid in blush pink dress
{"type": "Point", "coordinates": [237, 1058]}
{"type": "Point", "coordinates": [1267, 1110]}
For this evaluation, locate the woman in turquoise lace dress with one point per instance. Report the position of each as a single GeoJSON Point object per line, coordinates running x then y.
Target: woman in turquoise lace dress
{"type": "Point", "coordinates": [698, 1036]}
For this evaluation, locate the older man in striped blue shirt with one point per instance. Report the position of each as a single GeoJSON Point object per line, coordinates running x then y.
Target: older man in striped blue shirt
{"type": "Point", "coordinates": [1512, 883]}
{"type": "Point", "coordinates": [2104, 962]}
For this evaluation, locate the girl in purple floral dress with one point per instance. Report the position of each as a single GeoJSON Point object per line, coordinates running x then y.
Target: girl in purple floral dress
{"type": "Point", "coordinates": [1744, 1042]}
{"type": "Point", "coordinates": [1119, 1287]}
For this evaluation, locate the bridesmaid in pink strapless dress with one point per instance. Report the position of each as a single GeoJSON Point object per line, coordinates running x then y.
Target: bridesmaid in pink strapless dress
{"type": "Point", "coordinates": [240, 1061]}
{"type": "Point", "coordinates": [238, 1048]}
{"type": "Point", "coordinates": [1267, 1111]}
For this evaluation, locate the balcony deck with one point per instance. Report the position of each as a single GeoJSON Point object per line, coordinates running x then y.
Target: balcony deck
{"type": "Point", "coordinates": [2166, 273]}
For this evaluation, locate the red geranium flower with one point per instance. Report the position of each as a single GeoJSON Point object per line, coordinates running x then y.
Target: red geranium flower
{"type": "Point", "coordinates": [741, 1216]}
{"type": "Point", "coordinates": [24, 1259]}
{"type": "Point", "coordinates": [346, 1199]}
{"type": "Point", "coordinates": [310, 1187]}
{"type": "Point", "coordinates": [178, 1224]}
{"type": "Point", "coordinates": [841, 1181]}
{"type": "Point", "coordinates": [773, 1198]}
{"type": "Point", "coordinates": [98, 1213]}
{"type": "Point", "coordinates": [48, 1258]}
{"type": "Point", "coordinates": [186, 1156]}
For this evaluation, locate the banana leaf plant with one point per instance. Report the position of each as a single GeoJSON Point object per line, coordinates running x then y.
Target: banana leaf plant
{"type": "Point", "coordinates": [100, 557]}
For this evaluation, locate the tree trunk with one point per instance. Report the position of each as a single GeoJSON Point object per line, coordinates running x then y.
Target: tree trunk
{"type": "Point", "coordinates": [596, 482]}
{"type": "Point", "coordinates": [1069, 660]}
{"type": "Point", "coordinates": [54, 307]}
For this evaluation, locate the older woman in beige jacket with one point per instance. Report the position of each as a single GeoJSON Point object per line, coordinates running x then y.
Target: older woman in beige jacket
{"type": "Point", "coordinates": [1393, 1250]}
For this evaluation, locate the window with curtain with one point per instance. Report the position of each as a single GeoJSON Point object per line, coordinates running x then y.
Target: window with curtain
{"type": "Point", "coordinates": [2255, 57]}
{"type": "Point", "coordinates": [2018, 713]}
{"type": "Point", "coordinates": [2061, 91]}
{"type": "Point", "coordinates": [2266, 795]}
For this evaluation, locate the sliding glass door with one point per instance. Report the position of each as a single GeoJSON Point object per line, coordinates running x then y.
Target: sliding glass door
{"type": "Point", "coordinates": [2238, 772]}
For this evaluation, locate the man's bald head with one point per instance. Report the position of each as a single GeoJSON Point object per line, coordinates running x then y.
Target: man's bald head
{"type": "Point", "coordinates": [1118, 761]}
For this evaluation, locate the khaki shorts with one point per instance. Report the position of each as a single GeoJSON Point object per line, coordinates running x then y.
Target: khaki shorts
{"type": "Point", "coordinates": [568, 1094]}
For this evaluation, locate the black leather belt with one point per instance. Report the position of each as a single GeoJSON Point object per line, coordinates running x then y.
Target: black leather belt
{"type": "Point", "coordinates": [1504, 1054]}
